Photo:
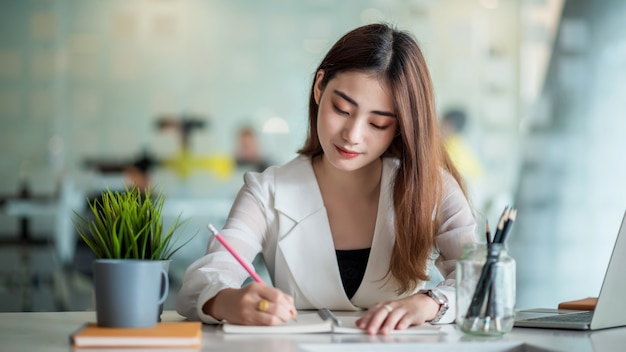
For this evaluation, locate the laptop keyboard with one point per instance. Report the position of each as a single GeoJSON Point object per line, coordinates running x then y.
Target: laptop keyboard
{"type": "Point", "coordinates": [581, 317]}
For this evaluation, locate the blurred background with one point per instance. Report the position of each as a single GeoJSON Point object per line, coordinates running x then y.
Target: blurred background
{"type": "Point", "coordinates": [186, 95]}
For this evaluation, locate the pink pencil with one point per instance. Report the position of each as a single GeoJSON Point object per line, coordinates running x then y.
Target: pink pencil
{"type": "Point", "coordinates": [245, 265]}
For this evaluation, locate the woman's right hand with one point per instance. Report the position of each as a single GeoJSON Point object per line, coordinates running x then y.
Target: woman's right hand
{"type": "Point", "coordinates": [241, 306]}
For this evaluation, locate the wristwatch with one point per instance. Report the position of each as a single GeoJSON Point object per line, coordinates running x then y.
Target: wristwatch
{"type": "Point", "coordinates": [441, 299]}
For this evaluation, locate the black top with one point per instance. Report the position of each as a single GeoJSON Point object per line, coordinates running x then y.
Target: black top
{"type": "Point", "coordinates": [352, 264]}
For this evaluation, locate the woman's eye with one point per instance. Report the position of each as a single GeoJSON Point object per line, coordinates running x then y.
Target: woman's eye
{"type": "Point", "coordinates": [378, 127]}
{"type": "Point", "coordinates": [339, 111]}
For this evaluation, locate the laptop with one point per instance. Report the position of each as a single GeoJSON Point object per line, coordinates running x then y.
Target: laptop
{"type": "Point", "coordinates": [610, 309]}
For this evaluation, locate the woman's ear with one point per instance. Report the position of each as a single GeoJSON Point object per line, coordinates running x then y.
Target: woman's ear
{"type": "Point", "coordinates": [317, 87]}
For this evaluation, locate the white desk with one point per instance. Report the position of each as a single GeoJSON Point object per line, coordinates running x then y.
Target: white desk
{"type": "Point", "coordinates": [32, 332]}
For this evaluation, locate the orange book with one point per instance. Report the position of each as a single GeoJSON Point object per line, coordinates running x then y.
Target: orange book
{"type": "Point", "coordinates": [164, 334]}
{"type": "Point", "coordinates": [588, 303]}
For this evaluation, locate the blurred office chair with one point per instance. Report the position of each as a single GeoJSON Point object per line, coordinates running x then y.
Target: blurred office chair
{"type": "Point", "coordinates": [36, 265]}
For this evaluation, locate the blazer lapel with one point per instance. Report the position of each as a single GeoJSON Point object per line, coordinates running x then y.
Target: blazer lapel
{"type": "Point", "coordinates": [305, 239]}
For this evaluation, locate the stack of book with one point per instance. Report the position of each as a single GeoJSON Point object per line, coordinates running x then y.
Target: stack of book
{"type": "Point", "coordinates": [181, 336]}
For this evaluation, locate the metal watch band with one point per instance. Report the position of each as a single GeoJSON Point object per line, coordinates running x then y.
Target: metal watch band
{"type": "Point", "coordinates": [441, 299]}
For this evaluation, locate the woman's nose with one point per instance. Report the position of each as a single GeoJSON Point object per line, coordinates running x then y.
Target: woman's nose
{"type": "Point", "coordinates": [353, 131]}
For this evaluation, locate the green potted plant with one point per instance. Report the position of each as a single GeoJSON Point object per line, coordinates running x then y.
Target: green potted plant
{"type": "Point", "coordinates": [125, 231]}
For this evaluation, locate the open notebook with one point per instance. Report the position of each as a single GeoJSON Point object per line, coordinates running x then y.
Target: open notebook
{"type": "Point", "coordinates": [308, 323]}
{"type": "Point", "coordinates": [610, 310]}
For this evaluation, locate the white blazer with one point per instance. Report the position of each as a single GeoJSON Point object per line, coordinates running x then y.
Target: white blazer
{"type": "Point", "coordinates": [280, 213]}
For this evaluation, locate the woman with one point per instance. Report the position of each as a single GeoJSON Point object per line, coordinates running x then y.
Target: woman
{"type": "Point", "coordinates": [356, 220]}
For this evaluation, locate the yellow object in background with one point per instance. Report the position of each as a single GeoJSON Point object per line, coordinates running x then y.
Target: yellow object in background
{"type": "Point", "coordinates": [463, 158]}
{"type": "Point", "coordinates": [185, 163]}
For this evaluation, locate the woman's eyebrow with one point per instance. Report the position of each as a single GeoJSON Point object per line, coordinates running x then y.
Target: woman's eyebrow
{"type": "Point", "coordinates": [353, 102]}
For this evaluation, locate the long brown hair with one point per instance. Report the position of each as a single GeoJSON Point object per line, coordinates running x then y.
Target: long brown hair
{"type": "Point", "coordinates": [395, 57]}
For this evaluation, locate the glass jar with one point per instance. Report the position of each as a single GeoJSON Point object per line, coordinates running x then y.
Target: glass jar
{"type": "Point", "coordinates": [485, 290]}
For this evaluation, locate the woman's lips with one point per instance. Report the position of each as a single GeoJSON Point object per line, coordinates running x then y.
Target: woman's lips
{"type": "Point", "coordinates": [346, 153]}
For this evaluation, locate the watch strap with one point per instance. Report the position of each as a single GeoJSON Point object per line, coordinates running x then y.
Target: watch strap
{"type": "Point", "coordinates": [441, 299]}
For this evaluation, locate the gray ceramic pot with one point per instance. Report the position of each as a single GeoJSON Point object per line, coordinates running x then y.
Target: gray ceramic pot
{"type": "Point", "coordinates": [129, 292]}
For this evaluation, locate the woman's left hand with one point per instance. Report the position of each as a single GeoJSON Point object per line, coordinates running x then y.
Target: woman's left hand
{"type": "Point", "coordinates": [398, 315]}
